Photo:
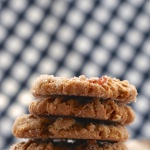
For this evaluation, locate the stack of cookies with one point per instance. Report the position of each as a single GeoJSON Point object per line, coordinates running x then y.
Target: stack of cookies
{"type": "Point", "coordinates": [76, 114]}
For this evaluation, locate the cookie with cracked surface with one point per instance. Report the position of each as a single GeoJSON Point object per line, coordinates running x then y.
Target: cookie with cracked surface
{"type": "Point", "coordinates": [84, 107]}
{"type": "Point", "coordinates": [81, 145]}
{"type": "Point", "coordinates": [104, 87]}
{"type": "Point", "coordinates": [28, 126]}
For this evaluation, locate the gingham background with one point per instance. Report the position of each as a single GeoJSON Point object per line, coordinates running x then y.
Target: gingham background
{"type": "Point", "coordinates": [67, 38]}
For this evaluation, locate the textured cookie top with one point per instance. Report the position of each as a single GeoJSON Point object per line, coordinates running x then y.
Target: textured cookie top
{"type": "Point", "coordinates": [28, 126]}
{"type": "Point", "coordinates": [83, 107]}
{"type": "Point", "coordinates": [82, 145]}
{"type": "Point", "coordinates": [104, 87]}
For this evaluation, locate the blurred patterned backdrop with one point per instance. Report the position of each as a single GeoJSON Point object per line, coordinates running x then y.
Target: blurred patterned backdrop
{"type": "Point", "coordinates": [70, 38]}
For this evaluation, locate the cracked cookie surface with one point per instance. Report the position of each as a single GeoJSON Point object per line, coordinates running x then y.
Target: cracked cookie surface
{"type": "Point", "coordinates": [83, 107]}
{"type": "Point", "coordinates": [28, 126]}
{"type": "Point", "coordinates": [104, 87]}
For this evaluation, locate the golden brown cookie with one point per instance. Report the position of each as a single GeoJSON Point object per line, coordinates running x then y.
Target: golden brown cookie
{"type": "Point", "coordinates": [85, 107]}
{"type": "Point", "coordinates": [104, 87]}
{"type": "Point", "coordinates": [28, 126]}
{"type": "Point", "coordinates": [82, 145]}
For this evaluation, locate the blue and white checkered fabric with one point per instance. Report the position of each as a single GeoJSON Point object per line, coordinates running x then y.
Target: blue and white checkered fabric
{"type": "Point", "coordinates": [70, 38]}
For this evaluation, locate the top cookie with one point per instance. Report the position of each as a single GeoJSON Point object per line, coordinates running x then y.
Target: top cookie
{"type": "Point", "coordinates": [104, 87]}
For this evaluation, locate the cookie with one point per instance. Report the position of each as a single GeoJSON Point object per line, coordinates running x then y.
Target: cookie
{"type": "Point", "coordinates": [28, 126]}
{"type": "Point", "coordinates": [104, 87]}
{"type": "Point", "coordinates": [85, 107]}
{"type": "Point", "coordinates": [82, 145]}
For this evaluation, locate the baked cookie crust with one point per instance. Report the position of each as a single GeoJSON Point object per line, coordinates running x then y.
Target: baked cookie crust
{"type": "Point", "coordinates": [104, 87]}
{"type": "Point", "coordinates": [82, 145]}
{"type": "Point", "coordinates": [84, 107]}
{"type": "Point", "coordinates": [28, 126]}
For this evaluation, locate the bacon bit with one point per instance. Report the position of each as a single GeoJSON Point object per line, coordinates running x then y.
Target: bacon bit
{"type": "Point", "coordinates": [100, 81]}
